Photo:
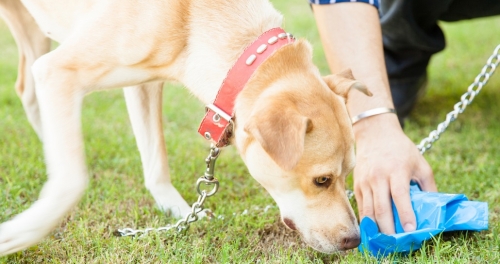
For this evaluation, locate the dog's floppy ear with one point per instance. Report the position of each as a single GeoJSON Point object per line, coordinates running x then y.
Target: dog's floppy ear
{"type": "Point", "coordinates": [281, 133]}
{"type": "Point", "coordinates": [341, 83]}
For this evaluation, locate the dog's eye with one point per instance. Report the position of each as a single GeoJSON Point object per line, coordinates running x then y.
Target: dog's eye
{"type": "Point", "coordinates": [321, 181]}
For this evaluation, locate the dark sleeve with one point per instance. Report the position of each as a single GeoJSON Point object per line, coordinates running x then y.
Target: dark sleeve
{"type": "Point", "coordinates": [327, 2]}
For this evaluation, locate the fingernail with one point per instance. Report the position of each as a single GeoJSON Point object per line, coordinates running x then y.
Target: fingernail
{"type": "Point", "coordinates": [409, 227]}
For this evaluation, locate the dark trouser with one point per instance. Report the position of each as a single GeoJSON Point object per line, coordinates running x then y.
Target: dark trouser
{"type": "Point", "coordinates": [411, 36]}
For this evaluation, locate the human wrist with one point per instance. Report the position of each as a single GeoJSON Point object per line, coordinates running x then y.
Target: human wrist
{"type": "Point", "coordinates": [372, 112]}
{"type": "Point", "coordinates": [376, 126]}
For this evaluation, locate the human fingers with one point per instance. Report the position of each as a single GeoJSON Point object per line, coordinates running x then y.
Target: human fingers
{"type": "Point", "coordinates": [382, 206]}
{"type": "Point", "coordinates": [400, 192]}
{"type": "Point", "coordinates": [358, 195]}
{"type": "Point", "coordinates": [425, 177]}
{"type": "Point", "coordinates": [366, 203]}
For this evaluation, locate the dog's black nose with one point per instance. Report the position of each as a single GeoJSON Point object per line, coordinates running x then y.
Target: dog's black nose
{"type": "Point", "coordinates": [350, 242]}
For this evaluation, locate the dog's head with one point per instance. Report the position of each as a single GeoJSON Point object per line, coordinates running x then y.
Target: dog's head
{"type": "Point", "coordinates": [295, 136]}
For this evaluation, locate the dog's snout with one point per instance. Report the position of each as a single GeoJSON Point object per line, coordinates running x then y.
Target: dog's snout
{"type": "Point", "coordinates": [289, 223]}
{"type": "Point", "coordinates": [350, 242]}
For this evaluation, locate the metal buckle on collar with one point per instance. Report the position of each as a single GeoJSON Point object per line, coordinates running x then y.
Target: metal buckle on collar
{"type": "Point", "coordinates": [222, 126]}
{"type": "Point", "coordinates": [219, 113]}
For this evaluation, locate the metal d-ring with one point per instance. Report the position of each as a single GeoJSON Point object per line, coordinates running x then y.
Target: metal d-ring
{"type": "Point", "coordinates": [206, 181]}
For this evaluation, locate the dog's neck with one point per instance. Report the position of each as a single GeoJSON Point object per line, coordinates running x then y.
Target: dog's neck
{"type": "Point", "coordinates": [214, 47]}
{"type": "Point", "coordinates": [287, 62]}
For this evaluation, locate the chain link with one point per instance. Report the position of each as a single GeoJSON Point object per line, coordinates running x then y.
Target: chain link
{"type": "Point", "coordinates": [183, 224]}
{"type": "Point", "coordinates": [465, 100]}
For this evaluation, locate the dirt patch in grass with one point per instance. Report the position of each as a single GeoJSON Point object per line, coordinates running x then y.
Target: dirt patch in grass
{"type": "Point", "coordinates": [276, 234]}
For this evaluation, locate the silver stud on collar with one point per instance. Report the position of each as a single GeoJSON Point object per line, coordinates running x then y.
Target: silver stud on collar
{"type": "Point", "coordinates": [290, 36]}
{"type": "Point", "coordinates": [251, 59]}
{"type": "Point", "coordinates": [208, 136]}
{"type": "Point", "coordinates": [282, 35]}
{"type": "Point", "coordinates": [272, 40]}
{"type": "Point", "coordinates": [261, 48]}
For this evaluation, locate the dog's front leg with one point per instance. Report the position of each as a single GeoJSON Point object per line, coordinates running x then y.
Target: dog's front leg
{"type": "Point", "coordinates": [144, 106]}
{"type": "Point", "coordinates": [60, 98]}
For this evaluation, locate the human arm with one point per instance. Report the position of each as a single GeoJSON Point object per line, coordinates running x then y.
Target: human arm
{"type": "Point", "coordinates": [386, 158]}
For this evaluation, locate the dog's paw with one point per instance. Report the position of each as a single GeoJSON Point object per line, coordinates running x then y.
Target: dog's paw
{"type": "Point", "coordinates": [174, 211]}
{"type": "Point", "coordinates": [32, 225]}
{"type": "Point", "coordinates": [16, 236]}
{"type": "Point", "coordinates": [170, 201]}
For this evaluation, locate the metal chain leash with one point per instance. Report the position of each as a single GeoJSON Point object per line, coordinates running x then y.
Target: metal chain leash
{"type": "Point", "coordinates": [466, 99]}
{"type": "Point", "coordinates": [183, 224]}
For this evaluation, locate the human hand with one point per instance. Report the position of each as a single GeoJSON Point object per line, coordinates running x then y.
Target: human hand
{"type": "Point", "coordinates": [386, 161]}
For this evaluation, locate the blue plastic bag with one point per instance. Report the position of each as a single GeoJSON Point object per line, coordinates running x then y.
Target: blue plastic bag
{"type": "Point", "coordinates": [435, 213]}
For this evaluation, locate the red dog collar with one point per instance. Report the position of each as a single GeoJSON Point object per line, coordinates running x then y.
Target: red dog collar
{"type": "Point", "coordinates": [217, 125]}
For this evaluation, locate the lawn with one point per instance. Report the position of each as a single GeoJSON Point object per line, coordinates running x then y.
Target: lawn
{"type": "Point", "coordinates": [465, 160]}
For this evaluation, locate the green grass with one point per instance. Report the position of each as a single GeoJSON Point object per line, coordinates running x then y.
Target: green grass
{"type": "Point", "coordinates": [465, 160]}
